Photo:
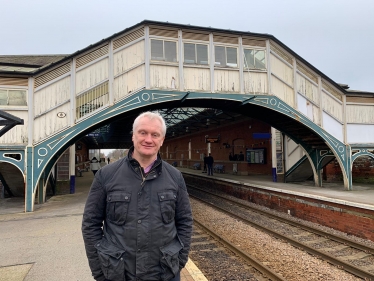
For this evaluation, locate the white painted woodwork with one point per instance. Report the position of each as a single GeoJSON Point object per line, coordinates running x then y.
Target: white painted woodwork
{"type": "Point", "coordinates": [282, 91]}
{"type": "Point", "coordinates": [92, 75]}
{"type": "Point", "coordinates": [307, 88]}
{"type": "Point", "coordinates": [294, 153]}
{"type": "Point", "coordinates": [282, 70]}
{"type": "Point", "coordinates": [360, 133]}
{"type": "Point", "coordinates": [357, 113]}
{"type": "Point", "coordinates": [49, 124]}
{"type": "Point", "coordinates": [52, 96]}
{"type": "Point", "coordinates": [18, 135]}
{"type": "Point", "coordinates": [255, 82]}
{"type": "Point", "coordinates": [129, 82]}
{"type": "Point", "coordinates": [332, 126]}
{"type": "Point", "coordinates": [308, 109]}
{"type": "Point", "coordinates": [332, 106]}
{"type": "Point", "coordinates": [196, 79]}
{"type": "Point", "coordinates": [129, 57]}
{"type": "Point", "coordinates": [164, 77]}
{"type": "Point", "coordinates": [226, 81]}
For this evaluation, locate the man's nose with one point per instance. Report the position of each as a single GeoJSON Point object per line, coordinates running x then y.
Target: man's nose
{"type": "Point", "coordinates": [148, 137]}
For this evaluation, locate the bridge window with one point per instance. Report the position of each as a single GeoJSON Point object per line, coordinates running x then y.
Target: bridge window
{"type": "Point", "coordinates": [195, 53]}
{"type": "Point", "coordinates": [13, 97]}
{"type": "Point", "coordinates": [92, 100]}
{"type": "Point", "coordinates": [226, 56]}
{"type": "Point", "coordinates": [254, 59]}
{"type": "Point", "coordinates": [162, 50]}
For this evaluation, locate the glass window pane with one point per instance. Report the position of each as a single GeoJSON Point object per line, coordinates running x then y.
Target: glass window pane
{"type": "Point", "coordinates": [260, 59]}
{"type": "Point", "coordinates": [249, 59]}
{"type": "Point", "coordinates": [220, 56]}
{"type": "Point", "coordinates": [232, 57]}
{"type": "Point", "coordinates": [202, 54]}
{"type": "Point", "coordinates": [17, 97]}
{"type": "Point", "coordinates": [3, 97]}
{"type": "Point", "coordinates": [189, 53]}
{"type": "Point", "coordinates": [170, 51]}
{"type": "Point", "coordinates": [157, 50]}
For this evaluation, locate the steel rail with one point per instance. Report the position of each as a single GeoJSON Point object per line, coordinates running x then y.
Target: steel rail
{"type": "Point", "coordinates": [268, 272]}
{"type": "Point", "coordinates": [339, 263]}
{"type": "Point", "coordinates": [350, 243]}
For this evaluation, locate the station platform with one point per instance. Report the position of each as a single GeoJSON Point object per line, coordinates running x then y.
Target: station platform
{"type": "Point", "coordinates": [361, 195]}
{"type": "Point", "coordinates": [47, 244]}
{"type": "Point", "coordinates": [29, 240]}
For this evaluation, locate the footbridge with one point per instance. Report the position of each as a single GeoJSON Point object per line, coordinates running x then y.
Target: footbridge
{"type": "Point", "coordinates": [164, 66]}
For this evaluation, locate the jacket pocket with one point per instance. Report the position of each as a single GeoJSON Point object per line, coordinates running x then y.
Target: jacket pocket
{"type": "Point", "coordinates": [169, 258]}
{"type": "Point", "coordinates": [167, 201]}
{"type": "Point", "coordinates": [117, 204]}
{"type": "Point", "coordinates": [112, 261]}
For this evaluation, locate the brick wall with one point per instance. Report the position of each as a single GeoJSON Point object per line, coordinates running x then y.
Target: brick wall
{"type": "Point", "coordinates": [236, 134]}
{"type": "Point", "coordinates": [351, 220]}
{"type": "Point", "coordinates": [362, 170]}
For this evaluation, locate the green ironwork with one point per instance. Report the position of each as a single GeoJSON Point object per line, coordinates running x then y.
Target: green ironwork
{"type": "Point", "coordinates": [40, 156]}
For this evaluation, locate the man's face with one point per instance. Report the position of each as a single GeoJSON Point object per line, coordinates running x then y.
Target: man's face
{"type": "Point", "coordinates": [147, 138]}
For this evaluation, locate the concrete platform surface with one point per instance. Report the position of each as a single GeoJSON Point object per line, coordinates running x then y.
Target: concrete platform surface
{"type": "Point", "coordinates": [47, 244]}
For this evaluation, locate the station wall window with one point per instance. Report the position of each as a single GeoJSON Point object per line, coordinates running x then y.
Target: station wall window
{"type": "Point", "coordinates": [195, 53]}
{"type": "Point", "coordinates": [256, 156]}
{"type": "Point", "coordinates": [226, 56]}
{"type": "Point", "coordinates": [163, 50]}
{"type": "Point", "coordinates": [254, 59]}
{"type": "Point", "coordinates": [13, 97]}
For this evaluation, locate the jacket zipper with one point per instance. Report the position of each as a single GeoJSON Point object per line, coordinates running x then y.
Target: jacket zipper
{"type": "Point", "coordinates": [143, 177]}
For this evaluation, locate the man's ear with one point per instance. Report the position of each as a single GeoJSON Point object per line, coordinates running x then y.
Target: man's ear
{"type": "Point", "coordinates": [162, 142]}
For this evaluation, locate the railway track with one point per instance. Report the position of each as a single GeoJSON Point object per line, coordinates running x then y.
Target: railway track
{"type": "Point", "coordinates": [208, 246]}
{"type": "Point", "coordinates": [353, 257]}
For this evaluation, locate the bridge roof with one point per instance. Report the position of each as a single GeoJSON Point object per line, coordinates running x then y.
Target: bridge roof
{"type": "Point", "coordinates": [63, 58]}
{"type": "Point", "coordinates": [27, 63]}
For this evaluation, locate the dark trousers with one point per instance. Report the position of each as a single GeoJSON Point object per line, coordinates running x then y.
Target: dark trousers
{"type": "Point", "coordinates": [177, 277]}
{"type": "Point", "coordinates": [210, 169]}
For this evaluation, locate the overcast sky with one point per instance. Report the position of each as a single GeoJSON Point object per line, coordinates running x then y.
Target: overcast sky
{"type": "Point", "coordinates": [335, 36]}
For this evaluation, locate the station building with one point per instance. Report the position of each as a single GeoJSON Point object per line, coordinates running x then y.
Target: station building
{"type": "Point", "coordinates": [222, 92]}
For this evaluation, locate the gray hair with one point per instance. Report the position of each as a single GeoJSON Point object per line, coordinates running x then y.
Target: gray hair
{"type": "Point", "coordinates": [151, 115]}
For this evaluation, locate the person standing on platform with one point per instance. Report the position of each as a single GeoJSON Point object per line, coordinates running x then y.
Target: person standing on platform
{"type": "Point", "coordinates": [231, 157]}
{"type": "Point", "coordinates": [205, 163]}
{"type": "Point", "coordinates": [137, 221]}
{"type": "Point", "coordinates": [108, 160]}
{"type": "Point", "coordinates": [209, 163]}
{"type": "Point", "coordinates": [95, 165]}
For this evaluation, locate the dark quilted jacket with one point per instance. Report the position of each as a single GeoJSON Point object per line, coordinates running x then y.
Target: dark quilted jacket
{"type": "Point", "coordinates": [137, 228]}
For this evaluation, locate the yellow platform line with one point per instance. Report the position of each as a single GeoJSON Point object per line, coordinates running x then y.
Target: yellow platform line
{"type": "Point", "coordinates": [193, 271]}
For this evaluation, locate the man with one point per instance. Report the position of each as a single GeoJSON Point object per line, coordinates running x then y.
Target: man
{"type": "Point", "coordinates": [210, 162]}
{"type": "Point", "coordinates": [143, 206]}
{"type": "Point", "coordinates": [205, 165]}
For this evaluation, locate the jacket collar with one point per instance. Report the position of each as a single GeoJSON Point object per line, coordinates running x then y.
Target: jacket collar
{"type": "Point", "coordinates": [135, 163]}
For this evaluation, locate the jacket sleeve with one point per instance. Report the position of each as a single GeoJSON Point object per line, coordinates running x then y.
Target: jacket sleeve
{"type": "Point", "coordinates": [93, 216]}
{"type": "Point", "coordinates": [183, 221]}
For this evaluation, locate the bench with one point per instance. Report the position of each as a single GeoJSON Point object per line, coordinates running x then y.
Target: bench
{"type": "Point", "coordinates": [197, 166]}
{"type": "Point", "coordinates": [219, 168]}
{"type": "Point", "coordinates": [79, 172]}
{"type": "Point", "coordinates": [86, 167]}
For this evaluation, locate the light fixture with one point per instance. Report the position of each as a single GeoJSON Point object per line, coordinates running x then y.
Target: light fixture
{"type": "Point", "coordinates": [207, 122]}
{"type": "Point", "coordinates": [186, 129]}
{"type": "Point", "coordinates": [173, 134]}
